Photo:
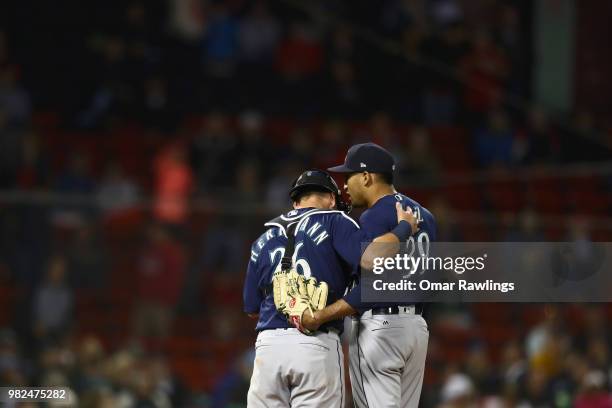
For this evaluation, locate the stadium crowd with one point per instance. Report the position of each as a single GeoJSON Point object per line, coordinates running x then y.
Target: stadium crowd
{"type": "Point", "coordinates": [202, 88]}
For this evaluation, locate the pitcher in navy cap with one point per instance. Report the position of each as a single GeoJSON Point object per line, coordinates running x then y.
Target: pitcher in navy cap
{"type": "Point", "coordinates": [366, 157]}
{"type": "Point", "coordinates": [388, 341]}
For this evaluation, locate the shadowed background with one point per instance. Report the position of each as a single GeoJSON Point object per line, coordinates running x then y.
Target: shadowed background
{"type": "Point", "coordinates": [143, 145]}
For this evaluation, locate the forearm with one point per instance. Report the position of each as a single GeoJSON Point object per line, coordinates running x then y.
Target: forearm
{"type": "Point", "coordinates": [385, 245]}
{"type": "Point", "coordinates": [336, 311]}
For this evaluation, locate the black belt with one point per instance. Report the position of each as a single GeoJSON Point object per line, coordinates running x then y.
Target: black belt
{"type": "Point", "coordinates": [393, 310]}
{"type": "Point", "coordinates": [329, 330]}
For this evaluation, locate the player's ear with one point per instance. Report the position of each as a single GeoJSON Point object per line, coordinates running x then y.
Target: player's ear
{"type": "Point", "coordinates": [367, 179]}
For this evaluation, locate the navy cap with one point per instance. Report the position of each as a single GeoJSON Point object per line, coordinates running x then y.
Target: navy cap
{"type": "Point", "coordinates": [366, 157]}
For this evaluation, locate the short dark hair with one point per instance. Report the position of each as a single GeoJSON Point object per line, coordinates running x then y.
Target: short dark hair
{"type": "Point", "coordinates": [386, 178]}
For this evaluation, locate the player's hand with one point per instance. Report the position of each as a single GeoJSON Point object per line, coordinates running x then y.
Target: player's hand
{"type": "Point", "coordinates": [310, 322]}
{"type": "Point", "coordinates": [408, 216]}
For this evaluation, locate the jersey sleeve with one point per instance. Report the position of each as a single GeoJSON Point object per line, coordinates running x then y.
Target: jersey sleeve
{"type": "Point", "coordinates": [348, 239]}
{"type": "Point", "coordinates": [377, 221]}
{"type": "Point", "coordinates": [251, 295]}
{"type": "Point", "coordinates": [353, 298]}
{"type": "Point", "coordinates": [428, 225]}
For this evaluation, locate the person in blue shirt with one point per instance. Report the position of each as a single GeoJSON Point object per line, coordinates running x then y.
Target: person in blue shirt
{"type": "Point", "coordinates": [290, 368]}
{"type": "Point", "coordinates": [388, 341]}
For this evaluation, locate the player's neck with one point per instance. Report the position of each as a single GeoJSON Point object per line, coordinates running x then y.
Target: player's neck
{"type": "Point", "coordinates": [380, 191]}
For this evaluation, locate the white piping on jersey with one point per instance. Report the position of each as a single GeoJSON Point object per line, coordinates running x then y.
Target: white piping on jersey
{"type": "Point", "coordinates": [298, 216]}
{"type": "Point", "coordinates": [326, 212]}
{"type": "Point", "coordinates": [282, 228]}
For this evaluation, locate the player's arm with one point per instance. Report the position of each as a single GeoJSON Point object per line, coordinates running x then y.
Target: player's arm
{"type": "Point", "coordinates": [251, 295]}
{"type": "Point", "coordinates": [407, 225]}
{"type": "Point", "coordinates": [387, 244]}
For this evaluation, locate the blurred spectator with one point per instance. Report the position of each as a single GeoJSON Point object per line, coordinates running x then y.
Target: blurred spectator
{"type": "Point", "coordinates": [584, 140]}
{"type": "Point", "coordinates": [513, 364]}
{"type": "Point", "coordinates": [188, 19]}
{"type": "Point", "coordinates": [98, 398]}
{"type": "Point", "coordinates": [495, 142]}
{"type": "Point", "coordinates": [342, 95]}
{"type": "Point", "coordinates": [158, 110]}
{"type": "Point", "coordinates": [166, 383]}
{"type": "Point", "coordinates": [212, 147]}
{"type": "Point", "coordinates": [221, 41]}
{"type": "Point", "coordinates": [120, 369]}
{"type": "Point", "coordinates": [258, 34]}
{"type": "Point", "coordinates": [342, 45]}
{"type": "Point", "coordinates": [458, 392]}
{"type": "Point", "coordinates": [298, 60]}
{"type": "Point", "coordinates": [10, 146]}
{"type": "Point", "coordinates": [595, 325]}
{"type": "Point", "coordinates": [420, 164]}
{"type": "Point", "coordinates": [444, 12]}
{"type": "Point", "coordinates": [441, 99]}
{"type": "Point", "coordinates": [527, 228]}
{"type": "Point", "coordinates": [253, 141]}
{"type": "Point", "coordinates": [53, 302]}
{"type": "Point", "coordinates": [89, 261]}
{"type": "Point", "coordinates": [174, 184]}
{"type": "Point", "coordinates": [247, 189]}
{"type": "Point", "coordinates": [300, 147]}
{"type": "Point", "coordinates": [512, 37]}
{"type": "Point", "coordinates": [484, 70]}
{"type": "Point", "coordinates": [145, 391]}
{"type": "Point", "coordinates": [234, 384]}
{"type": "Point", "coordinates": [14, 99]}
{"type": "Point", "coordinates": [88, 373]}
{"type": "Point", "coordinates": [77, 182]}
{"type": "Point", "coordinates": [33, 171]}
{"type": "Point", "coordinates": [542, 144]}
{"type": "Point", "coordinates": [160, 271]}
{"type": "Point", "coordinates": [11, 364]}
{"type": "Point", "coordinates": [332, 145]}
{"type": "Point", "coordinates": [113, 92]}
{"type": "Point", "coordinates": [593, 392]}
{"type": "Point", "coordinates": [545, 344]}
{"type": "Point", "coordinates": [76, 177]}
{"type": "Point", "coordinates": [277, 190]}
{"type": "Point", "coordinates": [479, 369]}
{"type": "Point", "coordinates": [116, 193]}
{"type": "Point", "coordinates": [300, 55]}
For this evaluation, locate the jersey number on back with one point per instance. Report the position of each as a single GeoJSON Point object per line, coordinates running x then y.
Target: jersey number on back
{"type": "Point", "coordinates": [301, 265]}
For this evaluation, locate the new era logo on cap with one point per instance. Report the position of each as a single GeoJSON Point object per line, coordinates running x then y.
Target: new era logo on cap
{"type": "Point", "coordinates": [366, 156]}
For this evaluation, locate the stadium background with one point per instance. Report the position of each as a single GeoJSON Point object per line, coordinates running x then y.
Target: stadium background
{"type": "Point", "coordinates": [143, 144]}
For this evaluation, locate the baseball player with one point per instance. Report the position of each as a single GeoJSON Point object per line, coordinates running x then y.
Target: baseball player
{"type": "Point", "coordinates": [386, 361]}
{"type": "Point", "coordinates": [292, 369]}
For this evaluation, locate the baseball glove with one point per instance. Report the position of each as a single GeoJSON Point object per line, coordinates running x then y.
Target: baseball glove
{"type": "Point", "coordinates": [294, 294]}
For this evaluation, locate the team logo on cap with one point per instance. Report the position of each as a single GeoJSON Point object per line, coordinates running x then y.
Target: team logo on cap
{"type": "Point", "coordinates": [362, 165]}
